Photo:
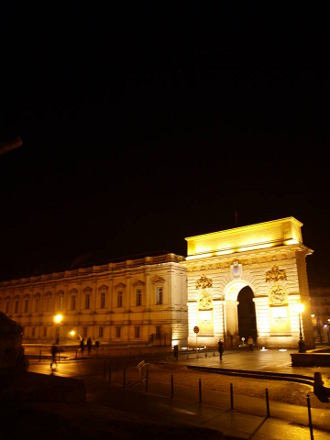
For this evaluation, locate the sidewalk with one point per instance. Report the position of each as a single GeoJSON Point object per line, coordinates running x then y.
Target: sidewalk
{"type": "Point", "coordinates": [270, 360]}
{"type": "Point", "coordinates": [246, 421]}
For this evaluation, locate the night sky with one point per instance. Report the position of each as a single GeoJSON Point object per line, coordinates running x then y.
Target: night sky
{"type": "Point", "coordinates": [147, 122]}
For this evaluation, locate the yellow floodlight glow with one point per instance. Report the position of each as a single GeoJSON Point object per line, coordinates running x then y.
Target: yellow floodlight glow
{"type": "Point", "coordinates": [58, 318]}
{"type": "Point", "coordinates": [257, 246]}
{"type": "Point", "coordinates": [300, 307]}
{"type": "Point", "coordinates": [291, 241]}
{"type": "Point", "coordinates": [72, 333]}
{"type": "Point", "coordinates": [225, 252]}
{"type": "Point", "coordinates": [285, 231]}
{"type": "Point", "coordinates": [194, 257]}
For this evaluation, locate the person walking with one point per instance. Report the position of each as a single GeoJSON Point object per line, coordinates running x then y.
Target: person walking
{"type": "Point", "coordinates": [220, 348]}
{"type": "Point", "coordinates": [250, 343]}
{"type": "Point", "coordinates": [54, 353]}
{"type": "Point", "coordinates": [82, 345]}
{"type": "Point", "coordinates": [89, 345]}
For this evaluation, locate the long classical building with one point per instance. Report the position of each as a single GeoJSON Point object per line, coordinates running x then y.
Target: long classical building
{"type": "Point", "coordinates": [246, 281]}
{"type": "Point", "coordinates": [137, 301]}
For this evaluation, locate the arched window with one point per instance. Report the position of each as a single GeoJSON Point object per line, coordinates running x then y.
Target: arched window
{"type": "Point", "coordinates": [73, 302]}
{"type": "Point", "coordinates": [26, 304]}
{"type": "Point", "coordinates": [60, 301]}
{"type": "Point", "coordinates": [119, 298]}
{"type": "Point", "coordinates": [138, 297]}
{"type": "Point", "coordinates": [48, 302]}
{"type": "Point", "coordinates": [88, 294]}
{"type": "Point", "coordinates": [7, 305]}
{"type": "Point", "coordinates": [73, 299]}
{"type": "Point", "coordinates": [159, 295]}
{"type": "Point", "coordinates": [37, 303]}
{"type": "Point", "coordinates": [103, 295]}
{"type": "Point", "coordinates": [119, 292]}
{"type": "Point", "coordinates": [158, 283]}
{"type": "Point", "coordinates": [16, 305]}
{"type": "Point", "coordinates": [87, 300]}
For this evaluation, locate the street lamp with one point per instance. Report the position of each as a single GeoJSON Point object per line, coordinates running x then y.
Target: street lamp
{"type": "Point", "coordinates": [57, 321]}
{"type": "Point", "coordinates": [301, 343]}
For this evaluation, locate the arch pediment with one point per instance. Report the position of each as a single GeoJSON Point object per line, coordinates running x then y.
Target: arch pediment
{"type": "Point", "coordinates": [120, 286]}
{"type": "Point", "coordinates": [158, 280]}
{"type": "Point", "coordinates": [138, 283]}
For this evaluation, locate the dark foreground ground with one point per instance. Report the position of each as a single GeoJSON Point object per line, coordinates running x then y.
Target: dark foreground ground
{"type": "Point", "coordinates": [58, 421]}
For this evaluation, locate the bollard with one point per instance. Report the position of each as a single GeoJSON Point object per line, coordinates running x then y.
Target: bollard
{"type": "Point", "coordinates": [172, 386]}
{"type": "Point", "coordinates": [206, 354]}
{"type": "Point", "coordinates": [200, 389]}
{"type": "Point", "coordinates": [231, 397]}
{"type": "Point", "coordinates": [147, 379]}
{"type": "Point", "coordinates": [310, 417]}
{"type": "Point", "coordinates": [124, 377]}
{"type": "Point", "coordinates": [76, 354]}
{"type": "Point", "coordinates": [267, 403]}
{"type": "Point", "coordinates": [40, 356]}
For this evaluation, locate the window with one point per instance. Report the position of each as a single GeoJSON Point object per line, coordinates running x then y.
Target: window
{"type": "Point", "coordinates": [137, 332]}
{"type": "Point", "coordinates": [16, 306]}
{"type": "Point", "coordinates": [37, 303]}
{"type": "Point", "coordinates": [120, 299]}
{"type": "Point", "coordinates": [159, 295]}
{"type": "Point", "coordinates": [139, 297]}
{"type": "Point", "coordinates": [33, 333]}
{"type": "Point", "coordinates": [7, 305]}
{"type": "Point", "coordinates": [87, 300]}
{"type": "Point", "coordinates": [85, 332]}
{"type": "Point", "coordinates": [102, 300]}
{"type": "Point", "coordinates": [60, 301]}
{"type": "Point", "coordinates": [73, 302]}
{"type": "Point", "coordinates": [48, 302]}
{"type": "Point", "coordinates": [117, 332]}
{"type": "Point", "coordinates": [158, 331]}
{"type": "Point", "coordinates": [45, 332]}
{"type": "Point", "coordinates": [100, 332]}
{"type": "Point", "coordinates": [26, 305]}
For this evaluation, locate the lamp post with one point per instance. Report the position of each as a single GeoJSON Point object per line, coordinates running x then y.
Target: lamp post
{"type": "Point", "coordinates": [301, 343]}
{"type": "Point", "coordinates": [57, 321]}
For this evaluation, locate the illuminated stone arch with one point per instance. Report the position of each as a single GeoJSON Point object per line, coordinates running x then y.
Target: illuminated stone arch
{"type": "Point", "coordinates": [268, 257]}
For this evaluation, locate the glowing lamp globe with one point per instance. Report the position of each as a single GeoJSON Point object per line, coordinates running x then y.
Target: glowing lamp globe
{"type": "Point", "coordinates": [58, 319]}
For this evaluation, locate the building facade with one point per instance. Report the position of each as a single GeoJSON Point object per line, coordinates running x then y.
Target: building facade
{"type": "Point", "coordinates": [233, 284]}
{"type": "Point", "coordinates": [135, 301]}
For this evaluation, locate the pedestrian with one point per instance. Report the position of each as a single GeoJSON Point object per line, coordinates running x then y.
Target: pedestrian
{"type": "Point", "coordinates": [89, 345]}
{"type": "Point", "coordinates": [82, 345]}
{"type": "Point", "coordinates": [250, 343]}
{"type": "Point", "coordinates": [54, 353]}
{"type": "Point", "coordinates": [176, 352]}
{"type": "Point", "coordinates": [220, 348]}
{"type": "Point", "coordinates": [96, 345]}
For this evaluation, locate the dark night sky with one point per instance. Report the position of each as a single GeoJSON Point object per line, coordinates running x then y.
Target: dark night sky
{"type": "Point", "coordinates": [147, 122]}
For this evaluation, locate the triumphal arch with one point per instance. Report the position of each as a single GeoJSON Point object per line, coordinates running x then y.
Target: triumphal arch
{"type": "Point", "coordinates": [249, 281]}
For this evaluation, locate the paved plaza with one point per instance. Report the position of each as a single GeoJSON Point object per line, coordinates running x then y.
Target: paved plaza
{"type": "Point", "coordinates": [256, 360]}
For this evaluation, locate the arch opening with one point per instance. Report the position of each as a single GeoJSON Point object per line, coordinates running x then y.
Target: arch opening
{"type": "Point", "coordinates": [247, 323]}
